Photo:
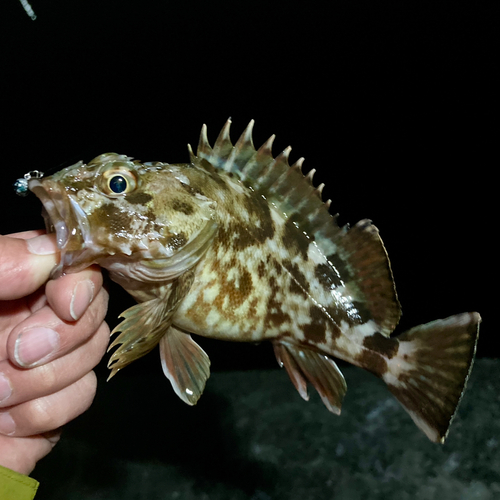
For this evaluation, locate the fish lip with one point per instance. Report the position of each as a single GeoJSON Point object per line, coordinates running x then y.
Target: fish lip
{"type": "Point", "coordinates": [55, 211]}
{"type": "Point", "coordinates": [63, 215]}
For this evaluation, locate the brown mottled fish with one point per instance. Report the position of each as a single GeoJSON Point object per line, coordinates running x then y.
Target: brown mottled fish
{"type": "Point", "coordinates": [237, 245]}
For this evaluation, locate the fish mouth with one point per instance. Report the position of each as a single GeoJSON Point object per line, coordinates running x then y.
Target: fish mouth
{"type": "Point", "coordinates": [64, 217]}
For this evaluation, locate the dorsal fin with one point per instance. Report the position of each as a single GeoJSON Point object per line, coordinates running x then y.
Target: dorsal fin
{"type": "Point", "coordinates": [283, 185]}
{"type": "Point", "coordinates": [364, 260]}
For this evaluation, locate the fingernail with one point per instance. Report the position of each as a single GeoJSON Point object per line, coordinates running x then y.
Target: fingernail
{"type": "Point", "coordinates": [7, 424]}
{"type": "Point", "coordinates": [44, 244]}
{"type": "Point", "coordinates": [82, 297]}
{"type": "Point", "coordinates": [35, 344]}
{"type": "Point", "coordinates": [5, 388]}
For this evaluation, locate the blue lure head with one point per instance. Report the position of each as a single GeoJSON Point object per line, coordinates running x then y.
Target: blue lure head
{"type": "Point", "coordinates": [21, 184]}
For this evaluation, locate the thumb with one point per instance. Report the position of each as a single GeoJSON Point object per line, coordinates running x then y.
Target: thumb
{"type": "Point", "coordinates": [25, 265]}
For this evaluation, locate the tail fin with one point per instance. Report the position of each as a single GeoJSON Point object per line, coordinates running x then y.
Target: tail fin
{"type": "Point", "coordinates": [429, 373]}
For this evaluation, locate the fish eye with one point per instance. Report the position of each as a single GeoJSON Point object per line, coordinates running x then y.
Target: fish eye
{"type": "Point", "coordinates": [118, 182]}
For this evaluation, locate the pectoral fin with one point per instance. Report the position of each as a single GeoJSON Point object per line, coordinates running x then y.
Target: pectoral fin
{"type": "Point", "coordinates": [145, 324]}
{"type": "Point", "coordinates": [141, 330]}
{"type": "Point", "coordinates": [305, 365]}
{"type": "Point", "coordinates": [185, 364]}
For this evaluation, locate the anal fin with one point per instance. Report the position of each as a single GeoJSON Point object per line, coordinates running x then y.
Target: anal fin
{"type": "Point", "coordinates": [304, 365]}
{"type": "Point", "coordinates": [185, 364]}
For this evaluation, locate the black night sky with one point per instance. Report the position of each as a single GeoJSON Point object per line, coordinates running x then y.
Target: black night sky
{"type": "Point", "coordinates": [394, 104]}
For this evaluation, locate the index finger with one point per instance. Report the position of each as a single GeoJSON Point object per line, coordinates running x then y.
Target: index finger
{"type": "Point", "coordinates": [26, 235]}
{"type": "Point", "coordinates": [25, 264]}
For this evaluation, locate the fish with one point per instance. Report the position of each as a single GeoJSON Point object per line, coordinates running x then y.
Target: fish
{"type": "Point", "coordinates": [238, 245]}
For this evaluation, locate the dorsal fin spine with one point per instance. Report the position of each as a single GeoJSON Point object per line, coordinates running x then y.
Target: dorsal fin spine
{"type": "Point", "coordinates": [275, 170]}
{"type": "Point", "coordinates": [223, 144]}
{"type": "Point", "coordinates": [298, 164]}
{"type": "Point", "coordinates": [281, 179]}
{"type": "Point", "coordinates": [261, 157]}
{"type": "Point", "coordinates": [204, 148]}
{"type": "Point", "coordinates": [304, 201]}
{"type": "Point", "coordinates": [310, 174]}
{"type": "Point", "coordinates": [295, 193]}
{"type": "Point", "coordinates": [319, 190]}
{"type": "Point", "coordinates": [243, 150]}
{"type": "Point", "coordinates": [192, 156]}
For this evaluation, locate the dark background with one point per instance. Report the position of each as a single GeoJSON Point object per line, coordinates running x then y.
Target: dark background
{"type": "Point", "coordinates": [394, 104]}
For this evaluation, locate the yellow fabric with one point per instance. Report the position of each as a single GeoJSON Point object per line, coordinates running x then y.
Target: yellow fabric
{"type": "Point", "coordinates": [15, 486]}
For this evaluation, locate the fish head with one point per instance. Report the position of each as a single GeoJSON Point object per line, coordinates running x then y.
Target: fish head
{"type": "Point", "coordinates": [142, 221]}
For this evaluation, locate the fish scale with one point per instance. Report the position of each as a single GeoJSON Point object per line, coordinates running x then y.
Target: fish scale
{"type": "Point", "coordinates": [238, 245]}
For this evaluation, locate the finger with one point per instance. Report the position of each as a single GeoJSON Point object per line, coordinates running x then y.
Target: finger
{"type": "Point", "coordinates": [70, 295]}
{"type": "Point", "coordinates": [43, 336]}
{"type": "Point", "coordinates": [26, 235]}
{"type": "Point", "coordinates": [49, 412]}
{"type": "Point", "coordinates": [25, 265]}
{"type": "Point", "coordinates": [18, 385]}
{"type": "Point", "coordinates": [22, 454]}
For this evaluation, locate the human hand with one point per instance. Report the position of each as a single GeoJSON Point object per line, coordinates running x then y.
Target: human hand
{"type": "Point", "coordinates": [51, 337]}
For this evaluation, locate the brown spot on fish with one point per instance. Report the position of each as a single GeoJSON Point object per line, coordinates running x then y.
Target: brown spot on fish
{"type": "Point", "coordinates": [274, 264]}
{"type": "Point", "coordinates": [259, 211]}
{"type": "Point", "coordinates": [182, 206]}
{"type": "Point", "coordinates": [159, 228]}
{"type": "Point", "coordinates": [252, 308]}
{"type": "Point", "coordinates": [215, 174]}
{"type": "Point", "coordinates": [342, 270]}
{"type": "Point", "coordinates": [117, 220]}
{"type": "Point", "coordinates": [138, 198]}
{"type": "Point", "coordinates": [76, 186]}
{"type": "Point", "coordinates": [261, 269]}
{"type": "Point", "coordinates": [327, 276]}
{"type": "Point", "coordinates": [315, 331]}
{"type": "Point", "coordinates": [176, 241]}
{"type": "Point", "coordinates": [295, 240]}
{"type": "Point", "coordinates": [275, 315]}
{"type": "Point", "coordinates": [234, 291]}
{"type": "Point", "coordinates": [335, 329]}
{"type": "Point", "coordinates": [381, 345]}
{"type": "Point", "coordinates": [242, 237]}
{"type": "Point", "coordinates": [223, 238]}
{"type": "Point", "coordinates": [363, 313]}
{"type": "Point", "coordinates": [233, 236]}
{"type": "Point", "coordinates": [243, 286]}
{"type": "Point", "coordinates": [296, 288]}
{"type": "Point", "coordinates": [299, 283]}
{"type": "Point", "coordinates": [372, 361]}
{"type": "Point", "coordinates": [239, 236]}
{"type": "Point", "coordinates": [192, 190]}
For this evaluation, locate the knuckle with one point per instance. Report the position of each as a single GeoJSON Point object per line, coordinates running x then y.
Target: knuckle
{"type": "Point", "coordinates": [102, 339]}
{"type": "Point", "coordinates": [87, 388]}
{"type": "Point", "coordinates": [42, 415]}
{"type": "Point", "coordinates": [47, 376]}
{"type": "Point", "coordinates": [97, 310]}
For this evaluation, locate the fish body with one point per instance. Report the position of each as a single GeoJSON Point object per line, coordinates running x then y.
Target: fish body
{"type": "Point", "coordinates": [238, 245]}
